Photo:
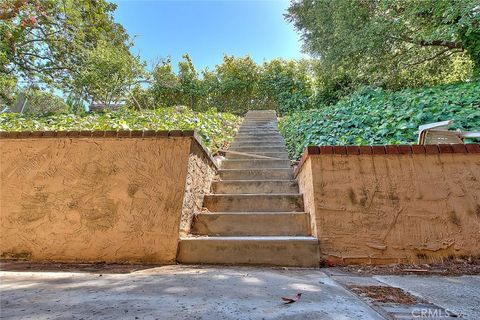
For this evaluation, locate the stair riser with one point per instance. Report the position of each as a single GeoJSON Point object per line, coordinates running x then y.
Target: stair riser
{"type": "Point", "coordinates": [252, 224]}
{"type": "Point", "coordinates": [292, 253]}
{"type": "Point", "coordinates": [277, 155]}
{"type": "Point", "coordinates": [255, 164]}
{"type": "Point", "coordinates": [251, 123]}
{"type": "Point", "coordinates": [258, 131]}
{"type": "Point", "coordinates": [257, 203]}
{"type": "Point", "coordinates": [257, 149]}
{"type": "Point", "coordinates": [259, 127]}
{"type": "Point", "coordinates": [259, 139]}
{"type": "Point", "coordinates": [256, 175]}
{"type": "Point", "coordinates": [251, 143]}
{"type": "Point", "coordinates": [254, 187]}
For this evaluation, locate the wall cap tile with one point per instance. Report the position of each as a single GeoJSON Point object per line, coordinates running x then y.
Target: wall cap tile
{"type": "Point", "coordinates": [97, 134]}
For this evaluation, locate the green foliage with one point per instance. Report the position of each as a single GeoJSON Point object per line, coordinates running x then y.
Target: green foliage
{"type": "Point", "coordinates": [236, 85]}
{"type": "Point", "coordinates": [216, 129]}
{"type": "Point", "coordinates": [39, 101]}
{"type": "Point", "coordinates": [108, 74]}
{"type": "Point", "coordinates": [55, 44]}
{"type": "Point", "coordinates": [286, 85]}
{"type": "Point", "coordinates": [165, 88]}
{"type": "Point", "coordinates": [375, 116]}
{"type": "Point", "coordinates": [393, 44]}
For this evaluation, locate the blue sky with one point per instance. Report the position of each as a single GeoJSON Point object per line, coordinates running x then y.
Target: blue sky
{"type": "Point", "coordinates": [208, 29]}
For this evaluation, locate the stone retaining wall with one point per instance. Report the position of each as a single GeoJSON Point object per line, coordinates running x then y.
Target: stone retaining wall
{"type": "Point", "coordinates": [389, 204]}
{"type": "Point", "coordinates": [83, 196]}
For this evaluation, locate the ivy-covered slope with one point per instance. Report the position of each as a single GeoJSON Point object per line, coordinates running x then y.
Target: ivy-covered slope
{"type": "Point", "coordinates": [375, 116]}
{"type": "Point", "coordinates": [216, 128]}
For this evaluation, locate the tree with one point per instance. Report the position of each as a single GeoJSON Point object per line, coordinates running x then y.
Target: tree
{"type": "Point", "coordinates": [286, 85]}
{"type": "Point", "coordinates": [108, 74]}
{"type": "Point", "coordinates": [191, 89]}
{"type": "Point", "coordinates": [165, 88]}
{"type": "Point", "coordinates": [390, 43]}
{"type": "Point", "coordinates": [237, 84]}
{"type": "Point", "coordinates": [39, 101]}
{"type": "Point", "coordinates": [48, 41]}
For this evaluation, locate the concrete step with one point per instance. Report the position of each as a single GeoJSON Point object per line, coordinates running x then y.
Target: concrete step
{"type": "Point", "coordinates": [273, 251]}
{"type": "Point", "coordinates": [252, 224]}
{"type": "Point", "coordinates": [255, 164]}
{"type": "Point", "coordinates": [275, 136]}
{"type": "Point", "coordinates": [258, 131]}
{"type": "Point", "coordinates": [278, 155]}
{"type": "Point", "coordinates": [256, 174]}
{"type": "Point", "coordinates": [269, 126]}
{"type": "Point", "coordinates": [254, 202]}
{"type": "Point", "coordinates": [278, 138]}
{"type": "Point", "coordinates": [255, 186]}
{"type": "Point", "coordinates": [257, 149]}
{"type": "Point", "coordinates": [251, 122]}
{"type": "Point", "coordinates": [261, 115]}
{"type": "Point", "coordinates": [250, 143]}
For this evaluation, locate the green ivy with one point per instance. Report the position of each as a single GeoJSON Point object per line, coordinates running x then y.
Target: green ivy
{"type": "Point", "coordinates": [216, 129]}
{"type": "Point", "coordinates": [376, 117]}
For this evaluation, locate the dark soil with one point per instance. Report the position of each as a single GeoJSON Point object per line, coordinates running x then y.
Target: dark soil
{"type": "Point", "coordinates": [385, 294]}
{"type": "Point", "coordinates": [448, 267]}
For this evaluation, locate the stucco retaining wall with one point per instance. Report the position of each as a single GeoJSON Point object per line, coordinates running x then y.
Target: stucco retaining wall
{"type": "Point", "coordinates": [98, 196]}
{"type": "Point", "coordinates": [394, 203]}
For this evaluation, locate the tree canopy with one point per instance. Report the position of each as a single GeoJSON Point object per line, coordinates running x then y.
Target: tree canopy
{"type": "Point", "coordinates": [390, 43]}
{"type": "Point", "coordinates": [235, 85]}
{"type": "Point", "coordinates": [50, 42]}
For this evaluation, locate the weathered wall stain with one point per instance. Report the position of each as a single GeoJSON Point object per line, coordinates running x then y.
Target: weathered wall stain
{"type": "Point", "coordinates": [392, 208]}
{"type": "Point", "coordinates": [107, 199]}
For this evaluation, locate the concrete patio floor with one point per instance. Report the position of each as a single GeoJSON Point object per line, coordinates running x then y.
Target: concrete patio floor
{"type": "Point", "coordinates": [191, 292]}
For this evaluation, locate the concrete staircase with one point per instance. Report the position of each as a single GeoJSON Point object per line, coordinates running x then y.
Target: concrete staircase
{"type": "Point", "coordinates": [255, 212]}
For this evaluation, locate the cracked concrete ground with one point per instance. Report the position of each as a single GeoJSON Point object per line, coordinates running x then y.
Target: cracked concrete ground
{"type": "Point", "coordinates": [460, 295]}
{"type": "Point", "coordinates": [178, 292]}
{"type": "Point", "coordinates": [207, 292]}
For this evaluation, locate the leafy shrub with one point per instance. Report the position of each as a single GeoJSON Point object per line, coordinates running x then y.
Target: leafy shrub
{"type": "Point", "coordinates": [216, 129]}
{"type": "Point", "coordinates": [375, 116]}
{"type": "Point", "coordinates": [43, 102]}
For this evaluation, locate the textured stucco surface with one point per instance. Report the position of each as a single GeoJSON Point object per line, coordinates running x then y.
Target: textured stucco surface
{"type": "Point", "coordinates": [114, 200]}
{"type": "Point", "coordinates": [201, 171]}
{"type": "Point", "coordinates": [392, 208]}
{"type": "Point", "coordinates": [305, 186]}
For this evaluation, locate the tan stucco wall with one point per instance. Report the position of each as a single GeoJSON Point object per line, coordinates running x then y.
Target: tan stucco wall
{"type": "Point", "coordinates": [92, 199]}
{"type": "Point", "coordinates": [394, 208]}
{"type": "Point", "coordinates": [305, 186]}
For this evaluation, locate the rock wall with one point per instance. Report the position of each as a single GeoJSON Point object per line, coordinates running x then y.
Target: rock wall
{"type": "Point", "coordinates": [201, 172]}
{"type": "Point", "coordinates": [388, 207]}
{"type": "Point", "coordinates": [96, 199]}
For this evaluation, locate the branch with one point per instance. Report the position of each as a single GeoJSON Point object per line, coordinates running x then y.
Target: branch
{"type": "Point", "coordinates": [431, 43]}
{"type": "Point", "coordinates": [438, 54]}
